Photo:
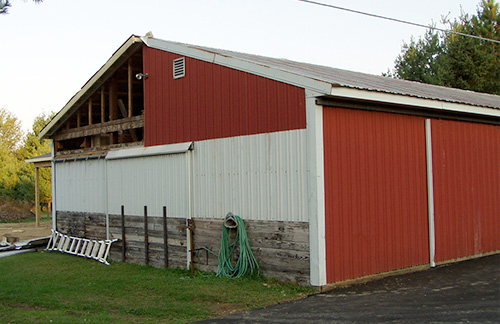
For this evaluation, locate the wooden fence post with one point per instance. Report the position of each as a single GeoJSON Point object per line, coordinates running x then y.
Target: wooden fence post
{"type": "Point", "coordinates": [165, 236]}
{"type": "Point", "coordinates": [146, 235]}
{"type": "Point", "coordinates": [124, 254]}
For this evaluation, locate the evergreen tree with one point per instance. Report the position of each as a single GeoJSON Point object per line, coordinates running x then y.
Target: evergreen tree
{"type": "Point", "coordinates": [5, 4]}
{"type": "Point", "coordinates": [454, 60]}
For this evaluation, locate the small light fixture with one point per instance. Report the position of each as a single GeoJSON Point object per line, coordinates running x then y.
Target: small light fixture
{"type": "Point", "coordinates": [140, 76]}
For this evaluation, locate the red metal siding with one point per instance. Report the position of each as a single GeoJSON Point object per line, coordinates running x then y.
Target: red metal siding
{"type": "Point", "coordinates": [213, 101]}
{"type": "Point", "coordinates": [375, 192]}
{"type": "Point", "coordinates": [466, 166]}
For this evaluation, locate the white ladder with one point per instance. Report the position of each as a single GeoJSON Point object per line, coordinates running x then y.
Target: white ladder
{"type": "Point", "coordinates": [92, 249]}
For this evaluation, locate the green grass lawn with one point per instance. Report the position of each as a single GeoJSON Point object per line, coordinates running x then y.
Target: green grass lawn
{"type": "Point", "coordinates": [51, 287]}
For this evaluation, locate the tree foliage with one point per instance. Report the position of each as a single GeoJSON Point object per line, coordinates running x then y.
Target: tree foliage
{"type": "Point", "coordinates": [454, 60]}
{"type": "Point", "coordinates": [17, 178]}
{"type": "Point", "coordinates": [5, 4]}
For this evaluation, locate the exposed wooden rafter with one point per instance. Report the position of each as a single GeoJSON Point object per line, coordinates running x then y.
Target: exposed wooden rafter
{"type": "Point", "coordinates": [123, 124]}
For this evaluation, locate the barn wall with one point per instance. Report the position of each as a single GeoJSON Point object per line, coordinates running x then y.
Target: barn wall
{"type": "Point", "coordinates": [213, 101]}
{"type": "Point", "coordinates": [152, 181]}
{"type": "Point", "coordinates": [81, 186]}
{"type": "Point", "coordinates": [259, 177]}
{"type": "Point", "coordinates": [375, 192]}
{"type": "Point", "coordinates": [466, 165]}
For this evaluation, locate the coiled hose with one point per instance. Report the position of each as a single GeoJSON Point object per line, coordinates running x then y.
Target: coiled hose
{"type": "Point", "coordinates": [246, 263]}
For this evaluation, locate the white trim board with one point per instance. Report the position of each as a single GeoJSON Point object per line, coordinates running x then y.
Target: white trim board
{"type": "Point", "coordinates": [150, 151]}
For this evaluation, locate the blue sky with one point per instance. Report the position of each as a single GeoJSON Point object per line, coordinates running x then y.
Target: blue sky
{"type": "Point", "coordinates": [50, 50]}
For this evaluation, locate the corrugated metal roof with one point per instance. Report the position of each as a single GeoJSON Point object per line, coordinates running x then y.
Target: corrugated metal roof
{"type": "Point", "coordinates": [363, 81]}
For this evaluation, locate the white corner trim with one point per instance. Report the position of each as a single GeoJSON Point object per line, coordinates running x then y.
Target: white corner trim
{"type": "Point", "coordinates": [391, 98]}
{"type": "Point", "coordinates": [149, 151]}
{"type": "Point", "coordinates": [316, 190]}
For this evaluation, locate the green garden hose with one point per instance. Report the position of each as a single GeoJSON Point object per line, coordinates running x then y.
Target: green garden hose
{"type": "Point", "coordinates": [246, 263]}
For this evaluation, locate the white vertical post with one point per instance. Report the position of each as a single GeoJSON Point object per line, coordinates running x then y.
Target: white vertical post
{"type": "Point", "coordinates": [316, 190]}
{"type": "Point", "coordinates": [106, 203]}
{"type": "Point", "coordinates": [54, 205]}
{"type": "Point", "coordinates": [189, 165]}
{"type": "Point", "coordinates": [430, 191]}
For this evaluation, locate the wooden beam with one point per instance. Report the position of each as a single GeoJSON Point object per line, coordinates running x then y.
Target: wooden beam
{"type": "Point", "coordinates": [90, 111]}
{"type": "Point", "coordinates": [78, 119]}
{"type": "Point", "coordinates": [103, 128]}
{"type": "Point", "coordinates": [130, 98]}
{"type": "Point", "coordinates": [87, 143]}
{"type": "Point", "coordinates": [113, 97]}
{"type": "Point", "coordinates": [37, 196]}
{"type": "Point", "coordinates": [71, 154]}
{"type": "Point", "coordinates": [124, 111]}
{"type": "Point", "coordinates": [103, 106]}
{"type": "Point", "coordinates": [45, 164]}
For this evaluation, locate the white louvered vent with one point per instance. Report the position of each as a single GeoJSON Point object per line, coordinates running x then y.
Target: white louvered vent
{"type": "Point", "coordinates": [179, 68]}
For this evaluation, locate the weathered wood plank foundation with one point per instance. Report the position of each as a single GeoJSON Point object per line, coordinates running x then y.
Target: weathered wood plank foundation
{"type": "Point", "coordinates": [281, 248]}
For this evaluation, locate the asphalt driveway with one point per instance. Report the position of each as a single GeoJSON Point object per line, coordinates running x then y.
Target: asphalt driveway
{"type": "Point", "coordinates": [464, 292]}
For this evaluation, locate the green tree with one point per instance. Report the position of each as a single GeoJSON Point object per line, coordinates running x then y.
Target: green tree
{"type": "Point", "coordinates": [454, 60]}
{"type": "Point", "coordinates": [17, 177]}
{"type": "Point", "coordinates": [11, 132]}
{"type": "Point", "coordinates": [34, 146]}
{"type": "Point", "coordinates": [419, 60]}
{"type": "Point", "coordinates": [10, 141]}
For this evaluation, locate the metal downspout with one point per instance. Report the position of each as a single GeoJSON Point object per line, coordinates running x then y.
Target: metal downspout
{"type": "Point", "coordinates": [430, 192]}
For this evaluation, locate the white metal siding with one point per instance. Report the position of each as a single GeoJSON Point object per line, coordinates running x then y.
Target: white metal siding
{"type": "Point", "coordinates": [259, 177]}
{"type": "Point", "coordinates": [81, 186]}
{"type": "Point", "coordinates": [153, 181]}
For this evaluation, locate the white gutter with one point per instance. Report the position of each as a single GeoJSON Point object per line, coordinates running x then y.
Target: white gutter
{"type": "Point", "coordinates": [150, 151]}
{"type": "Point", "coordinates": [358, 94]}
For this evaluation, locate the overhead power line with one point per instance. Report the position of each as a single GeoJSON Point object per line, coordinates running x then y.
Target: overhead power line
{"type": "Point", "coordinates": [399, 21]}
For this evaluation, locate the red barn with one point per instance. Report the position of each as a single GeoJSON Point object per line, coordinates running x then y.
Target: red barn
{"type": "Point", "coordinates": [337, 174]}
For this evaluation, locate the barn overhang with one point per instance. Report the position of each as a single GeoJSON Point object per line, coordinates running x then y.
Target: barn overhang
{"type": "Point", "coordinates": [344, 97]}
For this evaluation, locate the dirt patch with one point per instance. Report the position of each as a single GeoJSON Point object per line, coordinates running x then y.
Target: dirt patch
{"type": "Point", "coordinates": [13, 210]}
{"type": "Point", "coordinates": [25, 231]}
